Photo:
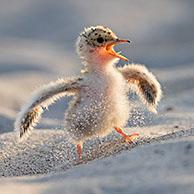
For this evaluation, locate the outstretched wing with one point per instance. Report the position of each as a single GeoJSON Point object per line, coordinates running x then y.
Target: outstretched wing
{"type": "Point", "coordinates": [31, 113]}
{"type": "Point", "coordinates": [146, 85]}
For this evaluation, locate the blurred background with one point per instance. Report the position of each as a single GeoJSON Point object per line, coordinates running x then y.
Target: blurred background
{"type": "Point", "coordinates": [37, 41]}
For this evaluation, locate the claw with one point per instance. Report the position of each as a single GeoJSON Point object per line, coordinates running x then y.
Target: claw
{"type": "Point", "coordinates": [128, 138]}
{"type": "Point", "coordinates": [131, 138]}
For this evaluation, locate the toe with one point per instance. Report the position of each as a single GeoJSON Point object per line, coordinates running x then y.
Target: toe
{"type": "Point", "coordinates": [132, 137]}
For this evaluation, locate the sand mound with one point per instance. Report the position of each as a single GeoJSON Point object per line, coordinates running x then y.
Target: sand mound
{"type": "Point", "coordinates": [50, 151]}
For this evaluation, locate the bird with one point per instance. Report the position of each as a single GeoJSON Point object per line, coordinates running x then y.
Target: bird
{"type": "Point", "coordinates": [100, 103]}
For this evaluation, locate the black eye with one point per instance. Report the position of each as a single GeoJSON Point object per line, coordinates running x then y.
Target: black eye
{"type": "Point", "coordinates": [100, 40]}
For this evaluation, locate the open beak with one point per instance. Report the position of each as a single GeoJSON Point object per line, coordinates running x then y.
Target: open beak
{"type": "Point", "coordinates": [111, 50]}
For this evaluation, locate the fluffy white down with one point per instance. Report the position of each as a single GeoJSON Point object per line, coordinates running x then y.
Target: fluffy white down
{"type": "Point", "coordinates": [102, 105]}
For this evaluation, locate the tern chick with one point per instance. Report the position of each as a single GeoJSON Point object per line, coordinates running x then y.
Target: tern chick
{"type": "Point", "coordinates": [100, 94]}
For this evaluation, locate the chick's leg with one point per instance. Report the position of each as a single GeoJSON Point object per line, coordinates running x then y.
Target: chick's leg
{"type": "Point", "coordinates": [79, 151]}
{"type": "Point", "coordinates": [128, 138]}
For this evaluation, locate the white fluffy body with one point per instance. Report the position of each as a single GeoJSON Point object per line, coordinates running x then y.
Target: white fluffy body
{"type": "Point", "coordinates": [102, 105]}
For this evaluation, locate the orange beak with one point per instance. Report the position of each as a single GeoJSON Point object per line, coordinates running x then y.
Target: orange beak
{"type": "Point", "coordinates": [111, 51]}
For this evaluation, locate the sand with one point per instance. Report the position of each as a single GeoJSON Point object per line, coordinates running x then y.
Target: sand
{"type": "Point", "coordinates": [34, 51]}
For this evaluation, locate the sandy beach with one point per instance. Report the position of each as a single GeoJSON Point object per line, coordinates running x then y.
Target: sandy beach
{"type": "Point", "coordinates": [37, 46]}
